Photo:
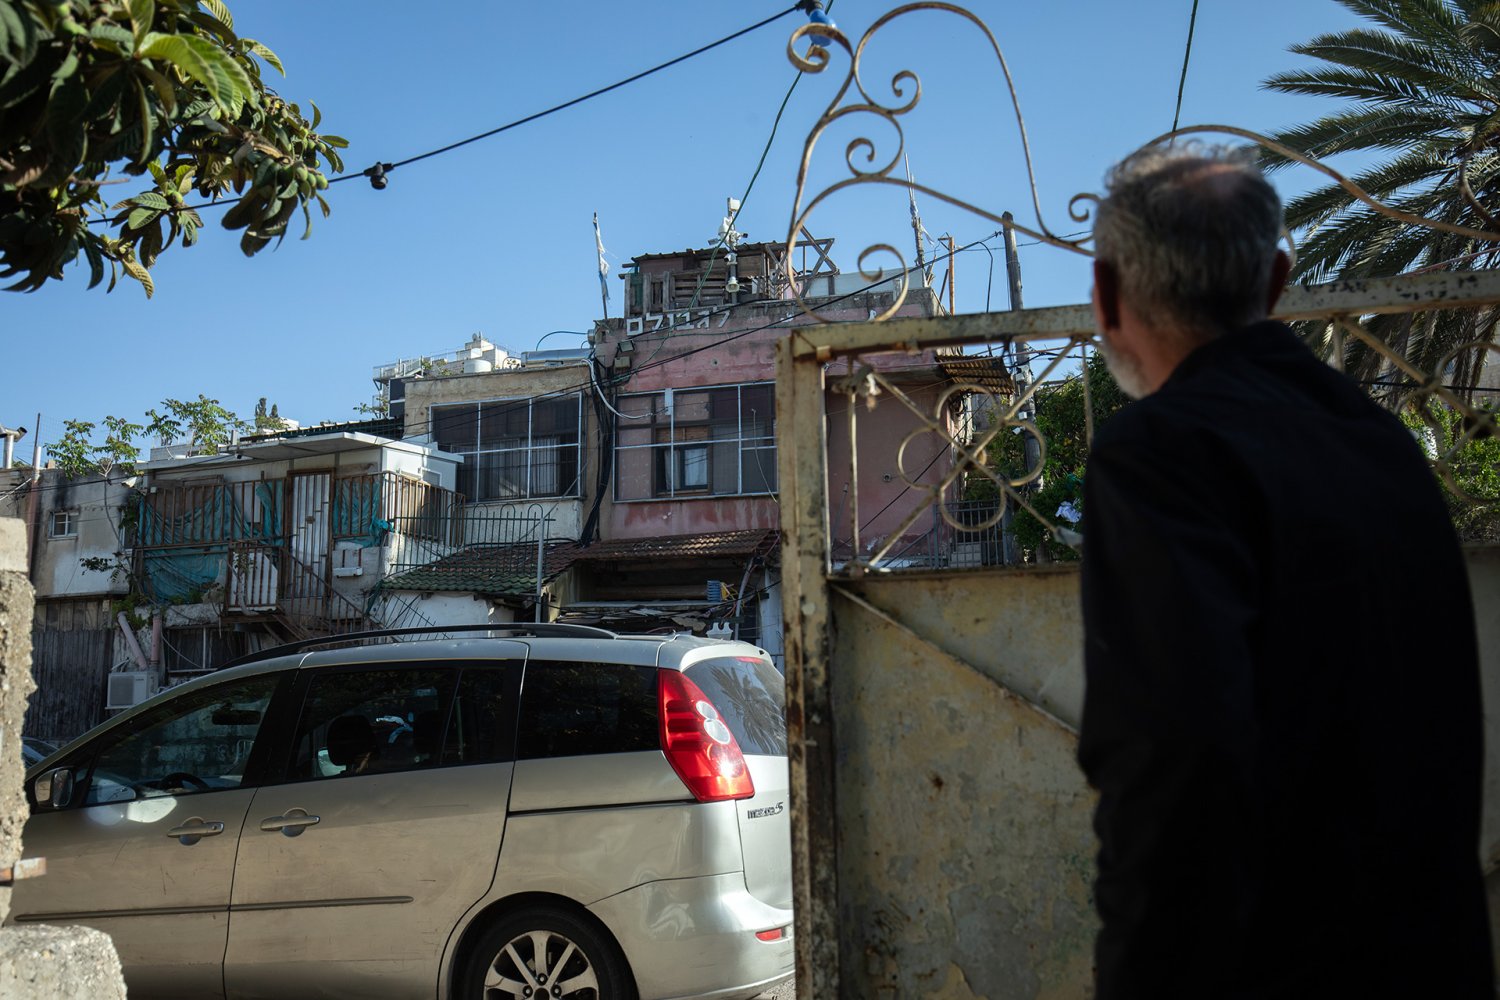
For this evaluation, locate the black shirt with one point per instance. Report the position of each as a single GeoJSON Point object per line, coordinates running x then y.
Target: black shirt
{"type": "Point", "coordinates": [1282, 709]}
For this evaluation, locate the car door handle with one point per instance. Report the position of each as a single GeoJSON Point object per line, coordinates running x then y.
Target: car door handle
{"type": "Point", "coordinates": [291, 824]}
{"type": "Point", "coordinates": [195, 829]}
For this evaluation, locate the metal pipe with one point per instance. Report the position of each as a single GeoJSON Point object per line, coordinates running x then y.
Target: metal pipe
{"type": "Point", "coordinates": [133, 643]}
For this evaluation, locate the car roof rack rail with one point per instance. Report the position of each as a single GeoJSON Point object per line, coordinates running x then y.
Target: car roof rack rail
{"type": "Point", "coordinates": [511, 630]}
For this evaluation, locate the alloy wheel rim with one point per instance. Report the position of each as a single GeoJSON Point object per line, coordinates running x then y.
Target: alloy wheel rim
{"type": "Point", "coordinates": [541, 964]}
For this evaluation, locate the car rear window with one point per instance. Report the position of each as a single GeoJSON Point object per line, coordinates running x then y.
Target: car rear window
{"type": "Point", "coordinates": [751, 696]}
{"type": "Point", "coordinates": [570, 709]}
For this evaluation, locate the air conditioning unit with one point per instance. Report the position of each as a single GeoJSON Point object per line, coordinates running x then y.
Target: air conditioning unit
{"type": "Point", "coordinates": [127, 688]}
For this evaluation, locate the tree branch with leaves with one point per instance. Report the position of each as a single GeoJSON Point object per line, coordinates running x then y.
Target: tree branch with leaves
{"type": "Point", "coordinates": [95, 93]}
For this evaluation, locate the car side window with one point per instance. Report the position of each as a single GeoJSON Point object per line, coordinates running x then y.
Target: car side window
{"type": "Point", "coordinates": [370, 721]}
{"type": "Point", "coordinates": [199, 741]}
{"type": "Point", "coordinates": [478, 723]}
{"type": "Point", "coordinates": [570, 709]}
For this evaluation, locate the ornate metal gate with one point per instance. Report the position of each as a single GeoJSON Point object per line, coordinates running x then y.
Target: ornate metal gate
{"type": "Point", "coordinates": [942, 844]}
{"type": "Point", "coordinates": [941, 828]}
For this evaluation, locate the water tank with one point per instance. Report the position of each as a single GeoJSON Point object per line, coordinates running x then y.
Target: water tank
{"type": "Point", "coordinates": [473, 366]}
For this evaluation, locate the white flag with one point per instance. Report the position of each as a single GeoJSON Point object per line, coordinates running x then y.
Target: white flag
{"type": "Point", "coordinates": [603, 264]}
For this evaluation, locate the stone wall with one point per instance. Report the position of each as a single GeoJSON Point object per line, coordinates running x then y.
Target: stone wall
{"type": "Point", "coordinates": [36, 962]}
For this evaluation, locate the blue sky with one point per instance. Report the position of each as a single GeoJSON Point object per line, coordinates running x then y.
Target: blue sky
{"type": "Point", "coordinates": [496, 238]}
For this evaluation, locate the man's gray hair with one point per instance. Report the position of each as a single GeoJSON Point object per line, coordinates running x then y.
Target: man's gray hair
{"type": "Point", "coordinates": [1191, 231]}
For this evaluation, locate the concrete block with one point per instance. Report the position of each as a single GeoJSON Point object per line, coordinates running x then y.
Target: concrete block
{"type": "Point", "coordinates": [58, 963]}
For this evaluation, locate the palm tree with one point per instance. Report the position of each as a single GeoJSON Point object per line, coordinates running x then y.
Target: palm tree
{"type": "Point", "coordinates": [1424, 83]}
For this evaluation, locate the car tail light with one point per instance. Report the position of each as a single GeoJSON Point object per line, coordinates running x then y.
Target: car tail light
{"type": "Point", "coordinates": [698, 744]}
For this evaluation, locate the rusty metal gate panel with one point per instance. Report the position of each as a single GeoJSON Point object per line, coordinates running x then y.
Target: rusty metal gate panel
{"type": "Point", "coordinates": [942, 843]}
{"type": "Point", "coordinates": [965, 845]}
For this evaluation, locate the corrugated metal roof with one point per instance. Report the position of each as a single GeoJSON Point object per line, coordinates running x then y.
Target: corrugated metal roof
{"type": "Point", "coordinates": [716, 543]}
{"type": "Point", "coordinates": [989, 373]}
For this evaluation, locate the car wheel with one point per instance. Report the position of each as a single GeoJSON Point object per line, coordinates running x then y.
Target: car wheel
{"type": "Point", "coordinates": [546, 952]}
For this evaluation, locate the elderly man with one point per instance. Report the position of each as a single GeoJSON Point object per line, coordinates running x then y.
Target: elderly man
{"type": "Point", "coordinates": [1282, 713]}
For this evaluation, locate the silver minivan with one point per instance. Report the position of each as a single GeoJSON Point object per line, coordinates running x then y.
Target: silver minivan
{"type": "Point", "coordinates": [543, 811]}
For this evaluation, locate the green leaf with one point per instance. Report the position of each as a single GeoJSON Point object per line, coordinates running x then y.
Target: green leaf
{"type": "Point", "coordinates": [337, 142]}
{"type": "Point", "coordinates": [141, 14]}
{"type": "Point", "coordinates": [219, 10]}
{"type": "Point", "coordinates": [20, 86]}
{"type": "Point", "coordinates": [65, 131]}
{"type": "Point", "coordinates": [165, 92]}
{"type": "Point", "coordinates": [96, 262]}
{"type": "Point", "coordinates": [317, 114]}
{"type": "Point", "coordinates": [141, 218]}
{"type": "Point", "coordinates": [108, 89]}
{"type": "Point", "coordinates": [148, 128]}
{"type": "Point", "coordinates": [267, 55]}
{"type": "Point", "coordinates": [112, 37]}
{"type": "Point", "coordinates": [139, 273]}
{"type": "Point", "coordinates": [17, 34]}
{"type": "Point", "coordinates": [68, 67]}
{"type": "Point", "coordinates": [208, 64]}
{"type": "Point", "coordinates": [150, 199]}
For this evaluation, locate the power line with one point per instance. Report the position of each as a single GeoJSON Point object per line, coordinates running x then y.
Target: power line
{"type": "Point", "coordinates": [578, 387]}
{"type": "Point", "coordinates": [1182, 81]}
{"type": "Point", "coordinates": [388, 167]}
{"type": "Point", "coordinates": [380, 170]}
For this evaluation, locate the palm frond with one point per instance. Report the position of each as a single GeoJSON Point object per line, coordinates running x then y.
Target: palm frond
{"type": "Point", "coordinates": [1426, 95]}
{"type": "Point", "coordinates": [1432, 20]}
{"type": "Point", "coordinates": [1362, 85]}
{"type": "Point", "coordinates": [1365, 128]}
{"type": "Point", "coordinates": [1423, 67]}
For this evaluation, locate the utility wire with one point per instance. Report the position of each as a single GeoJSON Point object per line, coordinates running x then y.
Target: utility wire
{"type": "Point", "coordinates": [385, 168]}
{"type": "Point", "coordinates": [581, 386]}
{"type": "Point", "coordinates": [388, 167]}
{"type": "Point", "coordinates": [1182, 81]}
{"type": "Point", "coordinates": [765, 151]}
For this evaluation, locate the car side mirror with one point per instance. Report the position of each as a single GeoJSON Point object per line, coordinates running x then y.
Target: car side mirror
{"type": "Point", "coordinates": [54, 790]}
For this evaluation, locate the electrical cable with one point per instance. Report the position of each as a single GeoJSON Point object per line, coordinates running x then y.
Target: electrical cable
{"type": "Point", "coordinates": [383, 169]}
{"type": "Point", "coordinates": [579, 387]}
{"type": "Point", "coordinates": [734, 216]}
{"type": "Point", "coordinates": [1182, 81]}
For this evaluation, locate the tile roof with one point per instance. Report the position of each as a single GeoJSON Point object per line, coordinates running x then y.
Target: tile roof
{"type": "Point", "coordinates": [506, 570]}
{"type": "Point", "coordinates": [495, 570]}
{"type": "Point", "coordinates": [748, 542]}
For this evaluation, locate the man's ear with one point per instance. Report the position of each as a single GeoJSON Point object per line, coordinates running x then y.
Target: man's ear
{"type": "Point", "coordinates": [1280, 268]}
{"type": "Point", "coordinates": [1106, 296]}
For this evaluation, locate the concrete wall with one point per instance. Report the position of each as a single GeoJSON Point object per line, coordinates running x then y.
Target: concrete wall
{"type": "Point", "coordinates": [36, 963]}
{"type": "Point", "coordinates": [96, 503]}
{"type": "Point", "coordinates": [727, 348]}
{"type": "Point", "coordinates": [965, 852]}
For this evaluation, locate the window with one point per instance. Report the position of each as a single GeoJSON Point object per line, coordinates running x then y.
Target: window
{"type": "Point", "coordinates": [514, 449]}
{"type": "Point", "coordinates": [571, 709]}
{"type": "Point", "coordinates": [751, 697]}
{"type": "Point", "coordinates": [64, 524]}
{"type": "Point", "coordinates": [371, 721]}
{"type": "Point", "coordinates": [718, 441]}
{"type": "Point", "coordinates": [198, 742]}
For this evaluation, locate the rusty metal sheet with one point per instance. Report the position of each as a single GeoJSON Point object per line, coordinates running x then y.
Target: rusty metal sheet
{"type": "Point", "coordinates": [1034, 648]}
{"type": "Point", "coordinates": [965, 850]}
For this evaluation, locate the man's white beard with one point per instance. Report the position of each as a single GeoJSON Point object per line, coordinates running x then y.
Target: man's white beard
{"type": "Point", "coordinates": [1126, 371]}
